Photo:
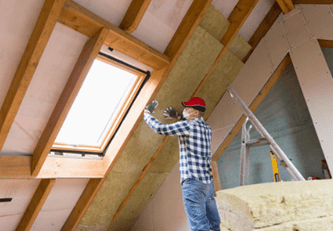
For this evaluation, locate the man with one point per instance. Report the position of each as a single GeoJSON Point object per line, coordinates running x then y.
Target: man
{"type": "Point", "coordinates": [194, 137]}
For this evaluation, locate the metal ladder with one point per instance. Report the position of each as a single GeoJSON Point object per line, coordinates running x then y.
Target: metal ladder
{"type": "Point", "coordinates": [265, 140]}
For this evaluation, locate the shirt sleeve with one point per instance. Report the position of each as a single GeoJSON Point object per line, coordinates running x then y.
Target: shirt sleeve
{"type": "Point", "coordinates": [176, 129]}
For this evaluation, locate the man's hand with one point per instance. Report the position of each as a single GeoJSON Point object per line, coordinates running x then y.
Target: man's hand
{"type": "Point", "coordinates": [150, 108]}
{"type": "Point", "coordinates": [171, 113]}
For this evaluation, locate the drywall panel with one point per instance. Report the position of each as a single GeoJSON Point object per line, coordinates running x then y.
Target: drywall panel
{"type": "Point", "coordinates": [112, 11]}
{"type": "Point", "coordinates": [254, 74]}
{"type": "Point", "coordinates": [17, 21]}
{"type": "Point", "coordinates": [255, 18]}
{"type": "Point", "coordinates": [9, 223]}
{"type": "Point", "coordinates": [317, 86]}
{"type": "Point", "coordinates": [219, 134]}
{"type": "Point", "coordinates": [151, 25]}
{"type": "Point", "coordinates": [319, 19]}
{"type": "Point", "coordinates": [60, 198]}
{"type": "Point", "coordinates": [296, 29]}
{"type": "Point", "coordinates": [165, 211]}
{"type": "Point", "coordinates": [55, 66]}
{"type": "Point", "coordinates": [276, 42]}
{"type": "Point", "coordinates": [51, 220]}
{"type": "Point", "coordinates": [169, 12]}
{"type": "Point", "coordinates": [21, 192]}
{"type": "Point", "coordinates": [247, 84]}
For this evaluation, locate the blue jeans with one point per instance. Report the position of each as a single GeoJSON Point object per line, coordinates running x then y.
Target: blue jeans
{"type": "Point", "coordinates": [200, 205]}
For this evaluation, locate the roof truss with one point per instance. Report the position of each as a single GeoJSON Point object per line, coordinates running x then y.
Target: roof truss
{"type": "Point", "coordinates": [134, 15]}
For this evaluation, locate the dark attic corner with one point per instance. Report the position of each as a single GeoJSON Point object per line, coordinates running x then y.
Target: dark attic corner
{"type": "Point", "coordinates": [77, 152]}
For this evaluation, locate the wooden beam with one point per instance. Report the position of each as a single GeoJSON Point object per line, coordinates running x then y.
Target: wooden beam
{"type": "Point", "coordinates": [82, 204]}
{"type": "Point", "coordinates": [313, 2]}
{"type": "Point", "coordinates": [285, 5]}
{"type": "Point", "coordinates": [66, 99]}
{"type": "Point", "coordinates": [80, 19]}
{"type": "Point", "coordinates": [15, 166]}
{"type": "Point", "coordinates": [28, 64]}
{"type": "Point", "coordinates": [263, 28]}
{"type": "Point", "coordinates": [216, 176]}
{"type": "Point", "coordinates": [36, 204]}
{"type": "Point", "coordinates": [237, 18]}
{"type": "Point", "coordinates": [134, 116]}
{"type": "Point", "coordinates": [134, 15]}
{"type": "Point", "coordinates": [256, 102]}
{"type": "Point", "coordinates": [186, 28]}
{"type": "Point", "coordinates": [289, 4]}
{"type": "Point", "coordinates": [19, 167]}
{"type": "Point", "coordinates": [325, 43]}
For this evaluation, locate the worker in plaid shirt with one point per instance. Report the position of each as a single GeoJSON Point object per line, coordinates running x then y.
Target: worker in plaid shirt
{"type": "Point", "coordinates": [194, 137]}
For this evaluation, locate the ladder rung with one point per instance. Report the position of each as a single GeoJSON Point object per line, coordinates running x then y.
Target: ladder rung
{"type": "Point", "coordinates": [257, 142]}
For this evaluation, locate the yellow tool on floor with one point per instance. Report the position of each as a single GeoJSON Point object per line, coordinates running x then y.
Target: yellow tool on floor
{"type": "Point", "coordinates": [275, 168]}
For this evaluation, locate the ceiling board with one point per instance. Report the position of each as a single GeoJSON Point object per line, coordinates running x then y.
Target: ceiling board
{"type": "Point", "coordinates": [169, 12]}
{"type": "Point", "coordinates": [112, 11]}
{"type": "Point", "coordinates": [21, 191]}
{"type": "Point", "coordinates": [51, 75]}
{"type": "Point", "coordinates": [50, 220]}
{"type": "Point", "coordinates": [60, 198]}
{"type": "Point", "coordinates": [9, 223]}
{"type": "Point", "coordinates": [14, 36]}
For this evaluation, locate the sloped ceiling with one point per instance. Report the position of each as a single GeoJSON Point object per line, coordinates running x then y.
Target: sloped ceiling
{"type": "Point", "coordinates": [124, 181]}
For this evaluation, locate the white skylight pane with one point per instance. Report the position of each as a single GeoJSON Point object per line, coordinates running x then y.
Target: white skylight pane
{"type": "Point", "coordinates": [96, 105]}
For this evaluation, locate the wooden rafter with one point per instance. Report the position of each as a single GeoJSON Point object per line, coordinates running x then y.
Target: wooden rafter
{"type": "Point", "coordinates": [313, 1]}
{"type": "Point", "coordinates": [134, 15]}
{"type": "Point", "coordinates": [150, 90]}
{"type": "Point", "coordinates": [186, 28]}
{"type": "Point", "coordinates": [263, 28]}
{"type": "Point", "coordinates": [256, 102]}
{"type": "Point", "coordinates": [325, 43]}
{"type": "Point", "coordinates": [36, 204]}
{"type": "Point", "coordinates": [80, 19]}
{"type": "Point", "coordinates": [83, 203]}
{"type": "Point", "coordinates": [28, 64]}
{"type": "Point", "coordinates": [286, 5]}
{"type": "Point", "coordinates": [66, 99]}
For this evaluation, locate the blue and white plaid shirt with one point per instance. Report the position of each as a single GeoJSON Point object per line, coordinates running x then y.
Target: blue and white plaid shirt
{"type": "Point", "coordinates": [194, 137]}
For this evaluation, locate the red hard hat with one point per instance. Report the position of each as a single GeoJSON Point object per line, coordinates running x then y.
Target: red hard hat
{"type": "Point", "coordinates": [196, 103]}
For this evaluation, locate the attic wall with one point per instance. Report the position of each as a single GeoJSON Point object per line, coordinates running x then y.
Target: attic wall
{"type": "Point", "coordinates": [195, 61]}
{"type": "Point", "coordinates": [296, 32]}
{"type": "Point", "coordinates": [285, 116]}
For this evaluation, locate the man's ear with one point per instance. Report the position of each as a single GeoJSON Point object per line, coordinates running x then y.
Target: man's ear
{"type": "Point", "coordinates": [196, 112]}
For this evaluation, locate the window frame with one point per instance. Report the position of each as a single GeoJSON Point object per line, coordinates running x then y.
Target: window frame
{"type": "Point", "coordinates": [121, 113]}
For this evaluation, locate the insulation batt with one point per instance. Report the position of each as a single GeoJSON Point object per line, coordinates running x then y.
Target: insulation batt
{"type": "Point", "coordinates": [297, 205]}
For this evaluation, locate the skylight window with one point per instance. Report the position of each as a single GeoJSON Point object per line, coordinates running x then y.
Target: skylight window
{"type": "Point", "coordinates": [99, 107]}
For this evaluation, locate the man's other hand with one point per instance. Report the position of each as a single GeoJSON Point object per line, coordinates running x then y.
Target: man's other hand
{"type": "Point", "coordinates": [171, 113]}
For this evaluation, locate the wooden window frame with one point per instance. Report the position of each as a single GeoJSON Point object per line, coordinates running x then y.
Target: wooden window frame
{"type": "Point", "coordinates": [129, 99]}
